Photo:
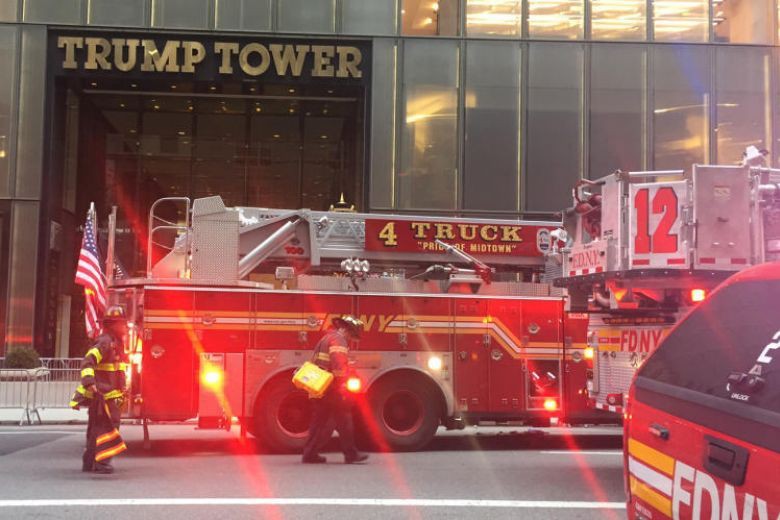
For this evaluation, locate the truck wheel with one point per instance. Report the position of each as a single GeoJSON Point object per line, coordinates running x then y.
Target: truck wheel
{"type": "Point", "coordinates": [404, 413]}
{"type": "Point", "coordinates": [282, 416]}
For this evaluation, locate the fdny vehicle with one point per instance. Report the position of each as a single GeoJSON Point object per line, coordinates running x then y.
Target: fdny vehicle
{"type": "Point", "coordinates": [702, 427]}
{"type": "Point", "coordinates": [457, 327]}
{"type": "Point", "coordinates": [646, 247]}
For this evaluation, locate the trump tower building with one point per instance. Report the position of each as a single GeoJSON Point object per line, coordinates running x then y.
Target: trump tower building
{"type": "Point", "coordinates": [445, 107]}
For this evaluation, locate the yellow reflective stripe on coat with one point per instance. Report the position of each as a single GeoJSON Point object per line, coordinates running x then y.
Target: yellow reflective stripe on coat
{"type": "Point", "coordinates": [113, 394]}
{"type": "Point", "coordinates": [336, 348]}
{"type": "Point", "coordinates": [95, 352]}
{"type": "Point", "coordinates": [86, 393]}
{"type": "Point", "coordinates": [87, 372]}
{"type": "Point", "coordinates": [323, 356]}
{"type": "Point", "coordinates": [112, 367]}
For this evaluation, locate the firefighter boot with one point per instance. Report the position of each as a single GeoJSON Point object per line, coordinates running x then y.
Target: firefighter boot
{"type": "Point", "coordinates": [88, 461]}
{"type": "Point", "coordinates": [314, 459]}
{"type": "Point", "coordinates": [105, 467]}
{"type": "Point", "coordinates": [355, 458]}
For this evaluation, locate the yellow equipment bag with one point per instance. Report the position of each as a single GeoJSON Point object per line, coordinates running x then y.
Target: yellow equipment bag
{"type": "Point", "coordinates": [313, 379]}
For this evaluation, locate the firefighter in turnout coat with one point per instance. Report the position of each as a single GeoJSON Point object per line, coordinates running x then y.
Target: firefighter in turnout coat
{"type": "Point", "coordinates": [335, 407]}
{"type": "Point", "coordinates": [102, 390]}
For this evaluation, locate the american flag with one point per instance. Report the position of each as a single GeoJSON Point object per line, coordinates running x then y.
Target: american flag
{"type": "Point", "coordinates": [89, 273]}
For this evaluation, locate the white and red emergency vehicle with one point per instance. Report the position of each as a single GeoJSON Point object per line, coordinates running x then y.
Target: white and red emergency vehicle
{"type": "Point", "coordinates": [645, 247]}
{"type": "Point", "coordinates": [243, 295]}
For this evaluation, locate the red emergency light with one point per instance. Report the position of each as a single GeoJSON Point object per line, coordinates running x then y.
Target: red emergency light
{"type": "Point", "coordinates": [698, 295]}
{"type": "Point", "coordinates": [550, 405]}
{"type": "Point", "coordinates": [212, 377]}
{"type": "Point", "coordinates": [354, 384]}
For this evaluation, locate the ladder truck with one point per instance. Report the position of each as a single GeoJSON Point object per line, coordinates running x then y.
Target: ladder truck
{"type": "Point", "coordinates": [458, 327]}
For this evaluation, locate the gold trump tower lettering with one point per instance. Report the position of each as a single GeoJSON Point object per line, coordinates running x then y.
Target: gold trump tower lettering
{"type": "Point", "coordinates": [253, 59]}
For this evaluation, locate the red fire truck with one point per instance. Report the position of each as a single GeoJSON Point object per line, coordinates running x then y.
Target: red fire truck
{"type": "Point", "coordinates": [458, 327]}
{"type": "Point", "coordinates": [644, 247]}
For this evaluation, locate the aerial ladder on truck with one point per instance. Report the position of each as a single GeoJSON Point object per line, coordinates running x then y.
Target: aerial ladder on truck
{"type": "Point", "coordinates": [458, 326]}
{"type": "Point", "coordinates": [644, 247]}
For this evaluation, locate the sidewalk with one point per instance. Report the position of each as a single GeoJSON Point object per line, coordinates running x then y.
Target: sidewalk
{"type": "Point", "coordinates": [48, 416]}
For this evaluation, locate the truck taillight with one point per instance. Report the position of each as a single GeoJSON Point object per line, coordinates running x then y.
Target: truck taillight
{"type": "Point", "coordinates": [550, 405]}
{"type": "Point", "coordinates": [588, 354]}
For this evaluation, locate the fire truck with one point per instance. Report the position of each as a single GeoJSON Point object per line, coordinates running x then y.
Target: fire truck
{"type": "Point", "coordinates": [459, 325]}
{"type": "Point", "coordinates": [644, 247]}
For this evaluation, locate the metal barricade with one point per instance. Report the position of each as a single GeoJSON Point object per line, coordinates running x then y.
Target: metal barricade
{"type": "Point", "coordinates": [16, 391]}
{"type": "Point", "coordinates": [49, 386]}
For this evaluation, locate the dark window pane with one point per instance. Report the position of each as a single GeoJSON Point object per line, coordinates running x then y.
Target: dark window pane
{"type": "Point", "coordinates": [727, 333]}
{"type": "Point", "coordinates": [244, 14]}
{"type": "Point", "coordinates": [743, 108]}
{"type": "Point", "coordinates": [554, 131]}
{"type": "Point", "coordinates": [383, 140]}
{"type": "Point", "coordinates": [617, 78]}
{"type": "Point", "coordinates": [116, 12]}
{"type": "Point", "coordinates": [373, 17]}
{"type": "Point", "coordinates": [680, 114]}
{"type": "Point", "coordinates": [492, 99]}
{"type": "Point", "coordinates": [307, 15]}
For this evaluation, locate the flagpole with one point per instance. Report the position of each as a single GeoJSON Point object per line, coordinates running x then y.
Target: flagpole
{"type": "Point", "coordinates": [110, 247]}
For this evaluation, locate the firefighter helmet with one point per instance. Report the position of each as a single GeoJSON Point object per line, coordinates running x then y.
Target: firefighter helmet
{"type": "Point", "coordinates": [349, 322]}
{"type": "Point", "coordinates": [114, 313]}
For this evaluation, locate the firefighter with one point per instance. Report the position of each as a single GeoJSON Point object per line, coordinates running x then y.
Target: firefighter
{"type": "Point", "coordinates": [335, 407]}
{"type": "Point", "coordinates": [102, 390]}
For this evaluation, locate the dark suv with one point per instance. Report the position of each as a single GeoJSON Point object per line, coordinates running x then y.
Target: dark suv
{"type": "Point", "coordinates": [702, 427]}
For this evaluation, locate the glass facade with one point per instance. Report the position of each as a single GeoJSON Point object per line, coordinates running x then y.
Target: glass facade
{"type": "Point", "coordinates": [470, 107]}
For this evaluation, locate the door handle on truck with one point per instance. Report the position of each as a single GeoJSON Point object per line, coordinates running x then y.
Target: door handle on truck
{"type": "Point", "coordinates": [725, 460]}
{"type": "Point", "coordinates": [659, 431]}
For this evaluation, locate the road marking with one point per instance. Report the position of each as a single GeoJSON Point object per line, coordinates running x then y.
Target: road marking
{"type": "Point", "coordinates": [31, 432]}
{"type": "Point", "coordinates": [564, 452]}
{"type": "Point", "coordinates": [376, 502]}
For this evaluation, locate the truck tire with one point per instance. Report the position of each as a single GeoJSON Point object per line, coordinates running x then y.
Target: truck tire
{"type": "Point", "coordinates": [282, 415]}
{"type": "Point", "coordinates": [404, 414]}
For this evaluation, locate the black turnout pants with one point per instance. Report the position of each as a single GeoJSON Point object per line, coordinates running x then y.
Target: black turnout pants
{"type": "Point", "coordinates": [100, 423]}
{"type": "Point", "coordinates": [334, 409]}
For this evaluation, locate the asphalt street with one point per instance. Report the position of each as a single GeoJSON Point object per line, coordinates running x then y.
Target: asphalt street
{"type": "Point", "coordinates": [485, 472]}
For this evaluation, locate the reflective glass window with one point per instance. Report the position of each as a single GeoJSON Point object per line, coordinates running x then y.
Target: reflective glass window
{"type": "Point", "coordinates": [245, 15]}
{"type": "Point", "coordinates": [743, 108]}
{"type": "Point", "coordinates": [428, 169]}
{"type": "Point", "coordinates": [374, 17]}
{"type": "Point", "coordinates": [742, 21]}
{"type": "Point", "coordinates": [9, 10]}
{"type": "Point", "coordinates": [429, 17]}
{"type": "Point", "coordinates": [554, 130]}
{"type": "Point", "coordinates": [52, 11]}
{"type": "Point", "coordinates": [116, 12]}
{"type": "Point", "coordinates": [681, 20]}
{"type": "Point", "coordinates": [307, 15]}
{"type": "Point", "coordinates": [555, 19]}
{"type": "Point", "coordinates": [617, 108]}
{"type": "Point", "coordinates": [383, 110]}
{"type": "Point", "coordinates": [681, 106]}
{"type": "Point", "coordinates": [493, 17]}
{"type": "Point", "coordinates": [618, 19]}
{"type": "Point", "coordinates": [7, 83]}
{"type": "Point", "coordinates": [491, 170]}
{"type": "Point", "coordinates": [181, 13]}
